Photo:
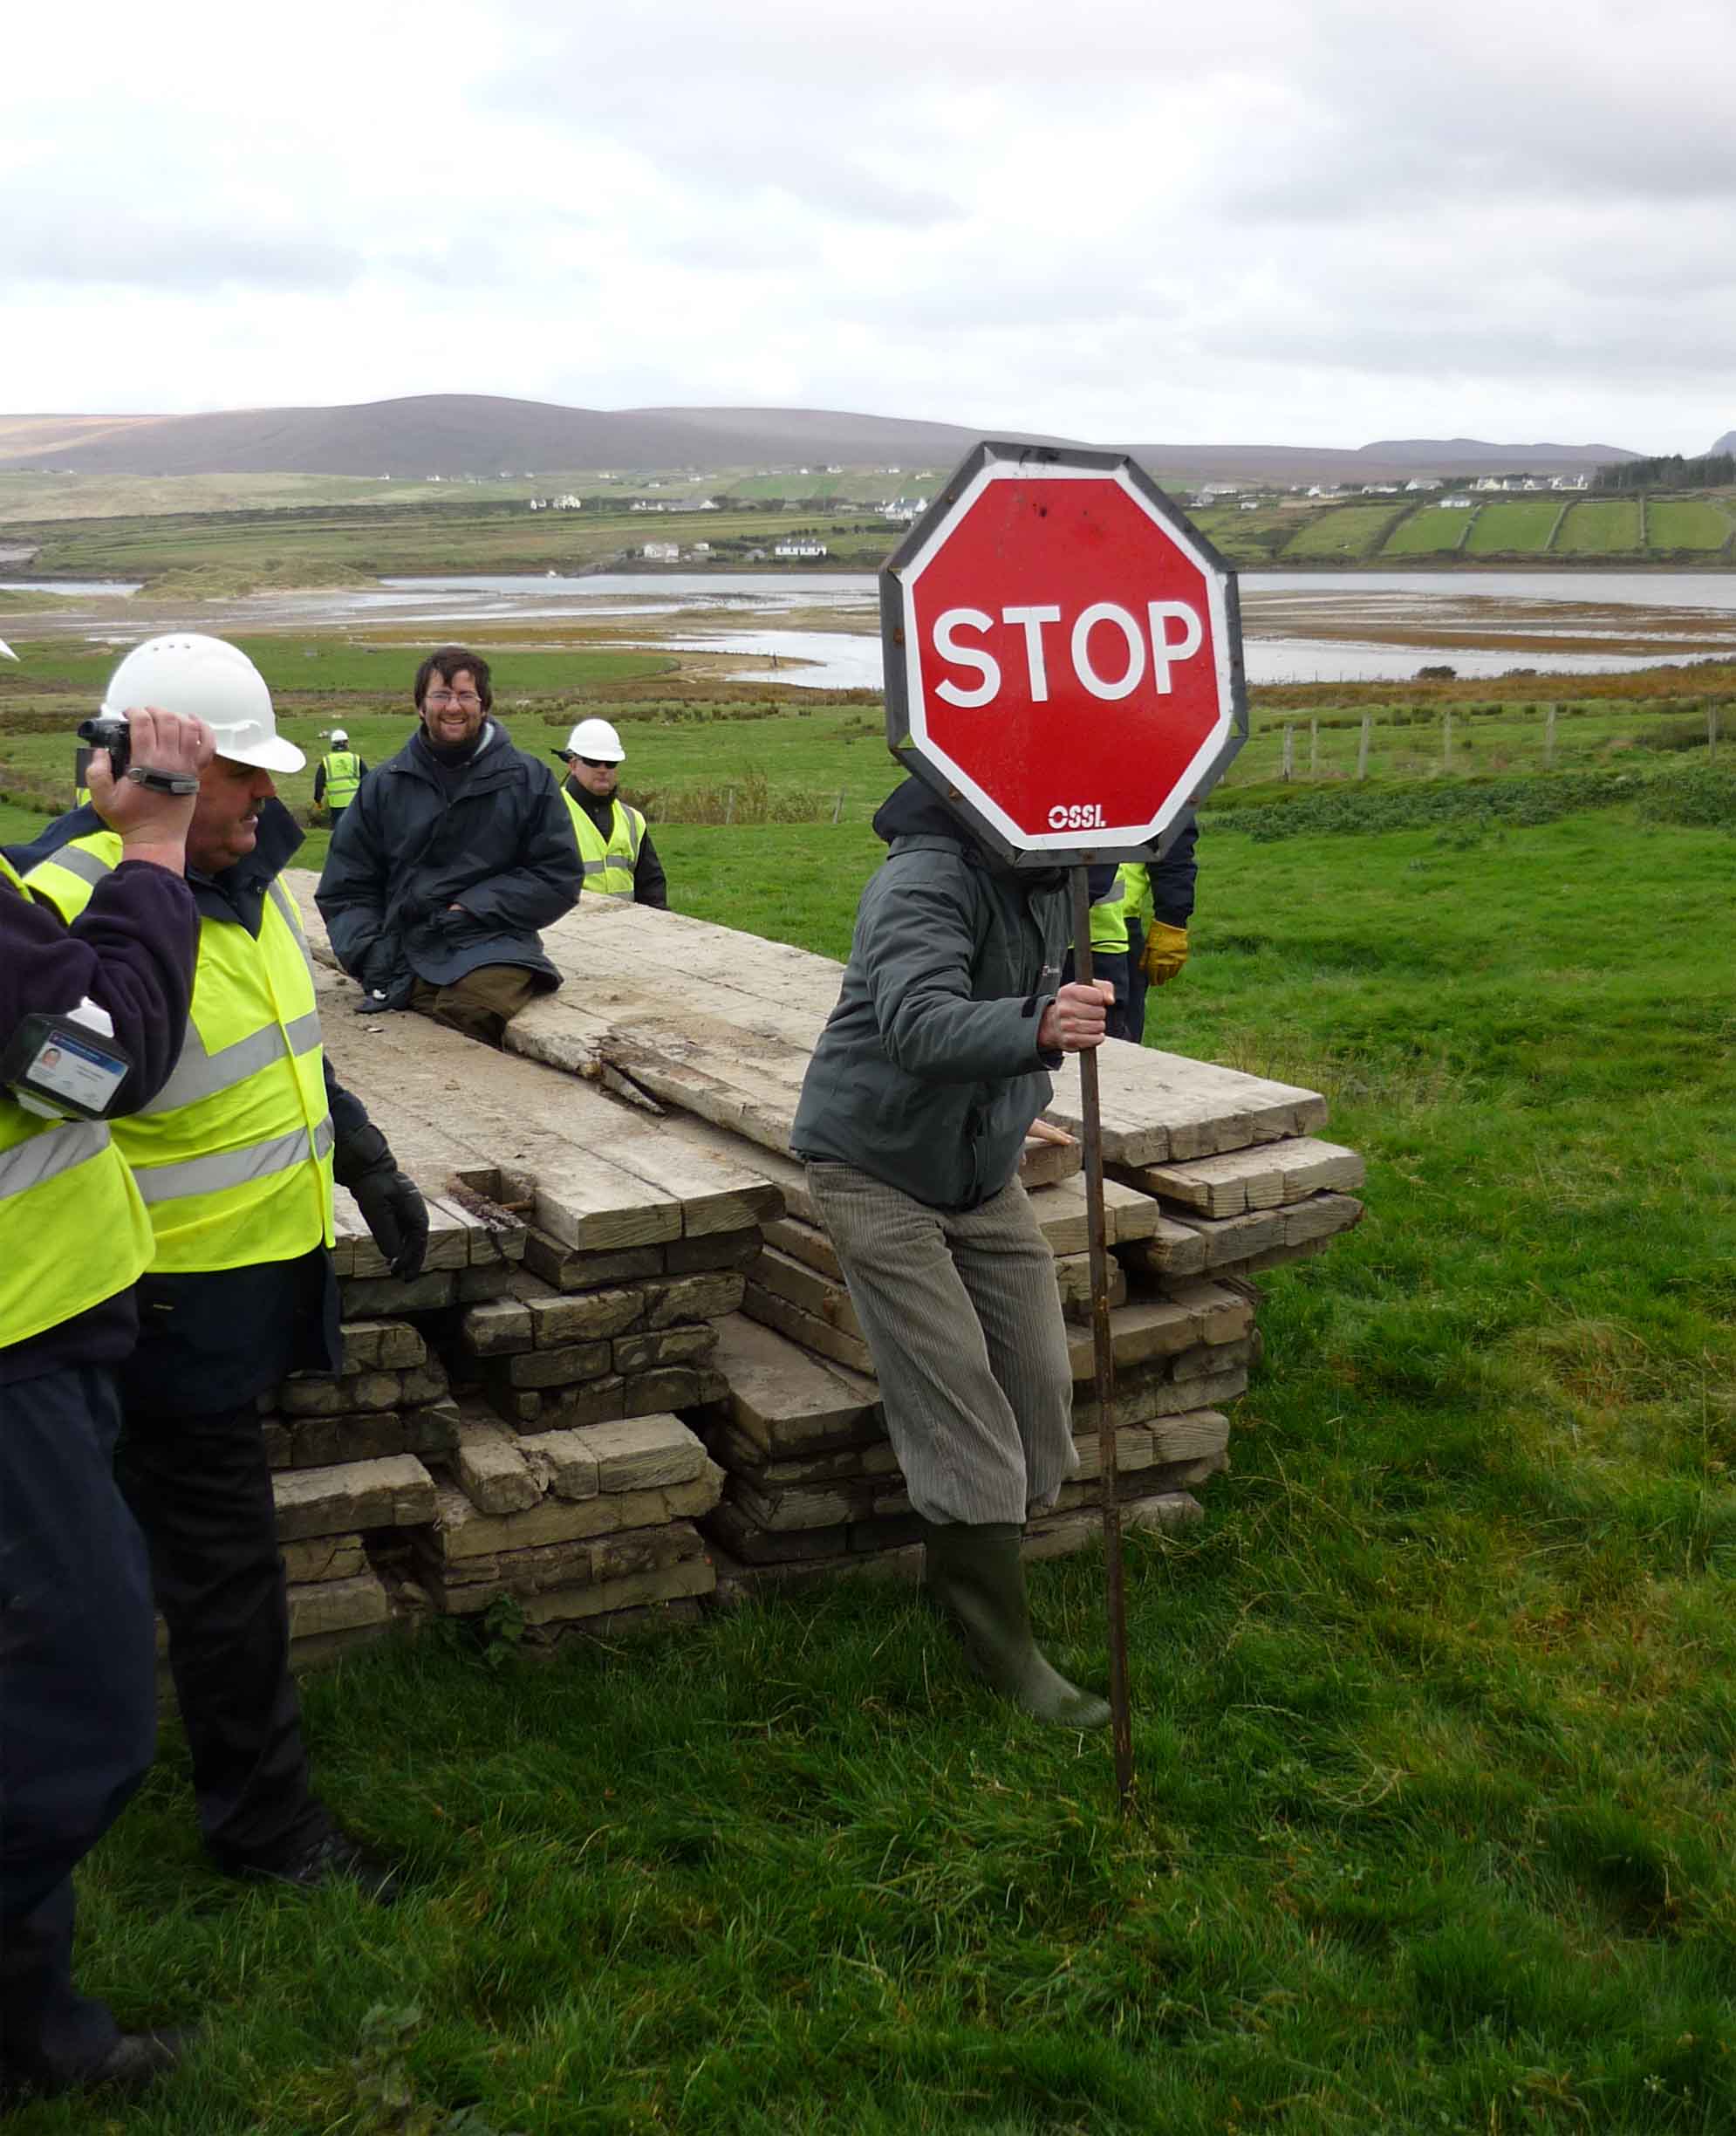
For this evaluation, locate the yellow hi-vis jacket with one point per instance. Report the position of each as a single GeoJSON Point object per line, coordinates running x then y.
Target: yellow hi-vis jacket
{"type": "Point", "coordinates": [1109, 921]}
{"type": "Point", "coordinates": [343, 775]}
{"type": "Point", "coordinates": [73, 1231]}
{"type": "Point", "coordinates": [233, 1155]}
{"type": "Point", "coordinates": [608, 862]}
{"type": "Point", "coordinates": [1135, 878]}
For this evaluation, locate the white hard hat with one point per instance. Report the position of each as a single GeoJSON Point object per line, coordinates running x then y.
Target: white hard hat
{"type": "Point", "coordinates": [595, 737]}
{"type": "Point", "coordinates": [207, 678]}
{"type": "Point", "coordinates": [337, 734]}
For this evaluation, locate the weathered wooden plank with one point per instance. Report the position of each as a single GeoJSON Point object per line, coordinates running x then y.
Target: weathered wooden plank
{"type": "Point", "coordinates": [807, 1328]}
{"type": "Point", "coordinates": [788, 1277]}
{"type": "Point", "coordinates": [1262, 1177]}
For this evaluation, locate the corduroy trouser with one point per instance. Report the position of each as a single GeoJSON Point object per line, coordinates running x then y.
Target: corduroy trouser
{"type": "Point", "coordinates": [78, 1700]}
{"type": "Point", "coordinates": [961, 1313]}
{"type": "Point", "coordinates": [482, 1004]}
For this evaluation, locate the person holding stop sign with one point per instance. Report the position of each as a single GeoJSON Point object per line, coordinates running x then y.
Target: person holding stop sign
{"type": "Point", "coordinates": [913, 1113]}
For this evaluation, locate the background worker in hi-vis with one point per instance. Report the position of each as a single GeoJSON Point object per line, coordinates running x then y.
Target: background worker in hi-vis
{"type": "Point", "coordinates": [613, 841]}
{"type": "Point", "coordinates": [91, 1020]}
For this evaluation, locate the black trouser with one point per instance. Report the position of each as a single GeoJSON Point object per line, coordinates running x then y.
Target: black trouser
{"type": "Point", "coordinates": [78, 1703]}
{"type": "Point", "coordinates": [200, 1488]}
{"type": "Point", "coordinates": [1137, 983]}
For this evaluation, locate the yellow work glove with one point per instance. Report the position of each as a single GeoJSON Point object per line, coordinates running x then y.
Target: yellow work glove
{"type": "Point", "coordinates": [1165, 951]}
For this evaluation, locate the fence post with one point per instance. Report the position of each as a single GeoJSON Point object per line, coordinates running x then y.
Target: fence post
{"type": "Point", "coordinates": [1289, 753]}
{"type": "Point", "coordinates": [1711, 728]}
{"type": "Point", "coordinates": [1362, 746]}
{"type": "Point", "coordinates": [837, 805]}
{"type": "Point", "coordinates": [729, 806]}
{"type": "Point", "coordinates": [1314, 749]}
{"type": "Point", "coordinates": [1550, 738]}
{"type": "Point", "coordinates": [1446, 739]}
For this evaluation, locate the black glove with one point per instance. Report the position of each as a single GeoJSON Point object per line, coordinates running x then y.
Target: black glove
{"type": "Point", "coordinates": [389, 1200]}
{"type": "Point", "coordinates": [392, 1207]}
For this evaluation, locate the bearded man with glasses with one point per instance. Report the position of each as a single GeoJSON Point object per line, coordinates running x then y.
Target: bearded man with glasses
{"type": "Point", "coordinates": [449, 860]}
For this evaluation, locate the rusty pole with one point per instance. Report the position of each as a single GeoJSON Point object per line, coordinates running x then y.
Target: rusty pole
{"type": "Point", "coordinates": [1121, 1717]}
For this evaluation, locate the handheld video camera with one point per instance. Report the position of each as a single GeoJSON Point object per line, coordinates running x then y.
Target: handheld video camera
{"type": "Point", "coordinates": [112, 735]}
{"type": "Point", "coordinates": [116, 736]}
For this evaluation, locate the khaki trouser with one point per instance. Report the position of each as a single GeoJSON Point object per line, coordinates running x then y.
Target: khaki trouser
{"type": "Point", "coordinates": [482, 1004]}
{"type": "Point", "coordinates": [963, 1318]}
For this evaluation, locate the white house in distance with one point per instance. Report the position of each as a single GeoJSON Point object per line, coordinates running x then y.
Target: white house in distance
{"type": "Point", "coordinates": [661, 552]}
{"type": "Point", "coordinates": [1423, 482]}
{"type": "Point", "coordinates": [802, 546]}
{"type": "Point", "coordinates": [1457, 503]}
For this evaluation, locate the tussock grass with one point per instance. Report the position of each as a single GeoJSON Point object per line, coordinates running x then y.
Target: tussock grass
{"type": "Point", "coordinates": [1434, 1712]}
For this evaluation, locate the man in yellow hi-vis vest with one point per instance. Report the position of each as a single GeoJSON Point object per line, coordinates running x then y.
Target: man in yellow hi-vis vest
{"type": "Point", "coordinates": [92, 1019]}
{"type": "Point", "coordinates": [614, 845]}
{"type": "Point", "coordinates": [235, 1159]}
{"type": "Point", "coordinates": [337, 777]}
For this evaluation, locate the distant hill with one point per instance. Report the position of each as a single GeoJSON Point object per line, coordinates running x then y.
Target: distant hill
{"type": "Point", "coordinates": [452, 434]}
{"type": "Point", "coordinates": [1726, 444]}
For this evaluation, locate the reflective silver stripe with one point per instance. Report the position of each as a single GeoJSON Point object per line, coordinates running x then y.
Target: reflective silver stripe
{"type": "Point", "coordinates": [595, 867]}
{"type": "Point", "coordinates": [41, 1157]}
{"type": "Point", "coordinates": [204, 1175]}
{"type": "Point", "coordinates": [199, 1074]}
{"type": "Point", "coordinates": [285, 905]}
{"type": "Point", "coordinates": [80, 861]}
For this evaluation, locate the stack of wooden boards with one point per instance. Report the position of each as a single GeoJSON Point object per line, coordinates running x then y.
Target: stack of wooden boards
{"type": "Point", "coordinates": [631, 1240]}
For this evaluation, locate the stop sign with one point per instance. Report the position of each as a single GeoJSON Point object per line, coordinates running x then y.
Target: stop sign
{"type": "Point", "coordinates": [1063, 655]}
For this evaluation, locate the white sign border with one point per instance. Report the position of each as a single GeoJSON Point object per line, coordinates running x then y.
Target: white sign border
{"type": "Point", "coordinates": [916, 704]}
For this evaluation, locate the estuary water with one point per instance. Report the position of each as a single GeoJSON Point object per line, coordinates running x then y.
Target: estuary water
{"type": "Point", "coordinates": [820, 628]}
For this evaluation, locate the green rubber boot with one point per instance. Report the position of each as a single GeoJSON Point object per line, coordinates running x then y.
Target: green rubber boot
{"type": "Point", "coordinates": [977, 1575]}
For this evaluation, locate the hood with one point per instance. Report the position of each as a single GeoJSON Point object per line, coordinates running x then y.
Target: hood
{"type": "Point", "coordinates": [910, 811]}
{"type": "Point", "coordinates": [913, 811]}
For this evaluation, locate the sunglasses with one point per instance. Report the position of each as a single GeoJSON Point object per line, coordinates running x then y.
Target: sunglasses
{"type": "Point", "coordinates": [597, 763]}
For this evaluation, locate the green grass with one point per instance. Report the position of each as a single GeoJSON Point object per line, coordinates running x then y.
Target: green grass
{"type": "Point", "coordinates": [1346, 530]}
{"type": "Point", "coordinates": [1600, 528]}
{"type": "Point", "coordinates": [1515, 529]}
{"type": "Point", "coordinates": [1433, 1714]}
{"type": "Point", "coordinates": [1686, 523]}
{"type": "Point", "coordinates": [1431, 531]}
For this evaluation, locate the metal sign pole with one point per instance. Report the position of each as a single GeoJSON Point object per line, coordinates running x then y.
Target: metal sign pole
{"type": "Point", "coordinates": [1121, 1718]}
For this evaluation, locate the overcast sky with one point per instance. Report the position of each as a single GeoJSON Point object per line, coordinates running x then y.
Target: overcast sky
{"type": "Point", "coordinates": [1313, 223]}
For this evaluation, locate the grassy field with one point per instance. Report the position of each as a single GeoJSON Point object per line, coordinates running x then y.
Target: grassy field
{"type": "Point", "coordinates": [696, 749]}
{"type": "Point", "coordinates": [1433, 1714]}
{"type": "Point", "coordinates": [212, 537]}
{"type": "Point", "coordinates": [1347, 533]}
{"type": "Point", "coordinates": [1600, 528]}
{"type": "Point", "coordinates": [1432, 530]}
{"type": "Point", "coordinates": [1687, 523]}
{"type": "Point", "coordinates": [1517, 530]}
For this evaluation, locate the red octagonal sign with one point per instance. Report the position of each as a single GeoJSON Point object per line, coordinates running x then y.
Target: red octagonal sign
{"type": "Point", "coordinates": [1063, 654]}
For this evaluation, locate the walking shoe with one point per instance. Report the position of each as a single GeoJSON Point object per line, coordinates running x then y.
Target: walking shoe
{"type": "Point", "coordinates": [976, 1573]}
{"type": "Point", "coordinates": [335, 1858]}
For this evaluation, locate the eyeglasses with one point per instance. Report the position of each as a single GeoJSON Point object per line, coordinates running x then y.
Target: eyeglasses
{"type": "Point", "coordinates": [596, 764]}
{"type": "Point", "coordinates": [467, 699]}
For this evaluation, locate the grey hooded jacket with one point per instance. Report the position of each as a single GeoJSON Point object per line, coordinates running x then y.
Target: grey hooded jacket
{"type": "Point", "coordinates": [492, 835]}
{"type": "Point", "coordinates": [927, 1074]}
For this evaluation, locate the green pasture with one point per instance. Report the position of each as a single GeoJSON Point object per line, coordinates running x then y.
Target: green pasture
{"type": "Point", "coordinates": [1431, 530]}
{"type": "Point", "coordinates": [1518, 529]}
{"type": "Point", "coordinates": [1347, 533]}
{"type": "Point", "coordinates": [1687, 523]}
{"type": "Point", "coordinates": [453, 533]}
{"type": "Point", "coordinates": [1433, 1713]}
{"type": "Point", "coordinates": [1600, 527]}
